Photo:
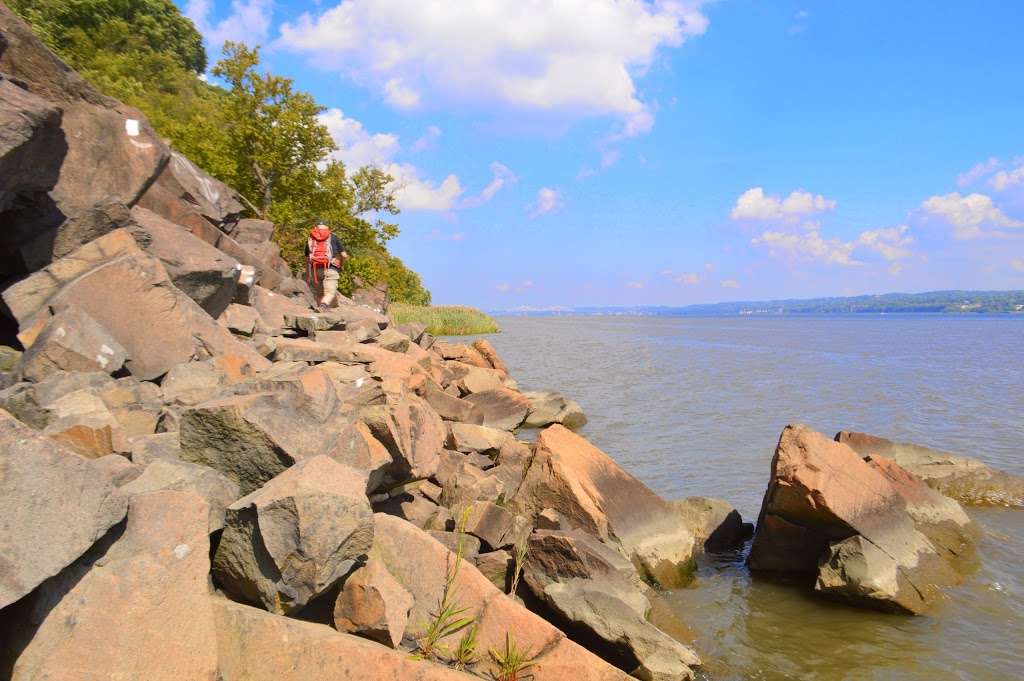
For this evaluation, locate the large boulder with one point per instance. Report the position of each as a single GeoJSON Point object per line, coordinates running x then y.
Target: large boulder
{"type": "Point", "coordinates": [142, 611]}
{"type": "Point", "coordinates": [575, 478]}
{"type": "Point", "coordinates": [827, 508]}
{"type": "Point", "coordinates": [547, 407]}
{"type": "Point", "coordinates": [161, 474]}
{"type": "Point", "coordinates": [716, 524]}
{"type": "Point", "coordinates": [54, 505]}
{"type": "Point", "coordinates": [253, 438]}
{"type": "Point", "coordinates": [967, 480]}
{"type": "Point", "coordinates": [502, 408]}
{"type": "Point", "coordinates": [203, 273]}
{"type": "Point", "coordinates": [257, 646]}
{"type": "Point", "coordinates": [594, 588]}
{"type": "Point", "coordinates": [412, 432]}
{"type": "Point", "coordinates": [191, 188]}
{"type": "Point", "coordinates": [71, 340]}
{"type": "Point", "coordinates": [423, 566]}
{"type": "Point", "coordinates": [295, 537]}
{"type": "Point", "coordinates": [31, 143]}
{"type": "Point", "coordinates": [158, 325]}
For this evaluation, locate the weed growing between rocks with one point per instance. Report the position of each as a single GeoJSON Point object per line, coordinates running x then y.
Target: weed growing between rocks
{"type": "Point", "coordinates": [466, 652]}
{"type": "Point", "coordinates": [450, 618]}
{"type": "Point", "coordinates": [511, 662]}
{"type": "Point", "coordinates": [521, 551]}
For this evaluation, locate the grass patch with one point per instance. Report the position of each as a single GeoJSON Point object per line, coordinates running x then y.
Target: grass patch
{"type": "Point", "coordinates": [444, 320]}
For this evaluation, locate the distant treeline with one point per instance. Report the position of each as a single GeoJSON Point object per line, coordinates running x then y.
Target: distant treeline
{"type": "Point", "coordinates": [935, 302]}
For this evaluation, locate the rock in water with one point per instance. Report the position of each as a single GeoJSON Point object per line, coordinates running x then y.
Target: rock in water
{"type": "Point", "coordinates": [53, 504]}
{"type": "Point", "coordinates": [967, 480]}
{"type": "Point", "coordinates": [827, 508]}
{"type": "Point", "coordinates": [295, 537]}
{"type": "Point", "coordinates": [374, 605]}
{"type": "Point", "coordinates": [142, 611]}
{"type": "Point", "coordinates": [576, 479]}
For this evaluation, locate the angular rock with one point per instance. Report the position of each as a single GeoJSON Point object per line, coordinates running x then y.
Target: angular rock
{"type": "Point", "coordinates": [306, 350]}
{"type": "Point", "coordinates": [71, 340]}
{"type": "Point", "coordinates": [158, 310]}
{"type": "Point", "coordinates": [357, 448]}
{"type": "Point", "coordinates": [190, 383]}
{"type": "Point", "coordinates": [141, 612]}
{"type": "Point", "coordinates": [571, 476]}
{"type": "Point", "coordinates": [452, 408]}
{"type": "Point", "coordinates": [410, 505]}
{"type": "Point", "coordinates": [462, 353]}
{"type": "Point", "coordinates": [496, 566]}
{"type": "Point", "coordinates": [422, 565]}
{"type": "Point", "coordinates": [372, 296]}
{"type": "Point", "coordinates": [412, 432]}
{"type": "Point", "coordinates": [458, 541]}
{"type": "Point", "coordinates": [549, 407]}
{"type": "Point", "coordinates": [157, 447]}
{"type": "Point", "coordinates": [477, 380]}
{"type": "Point", "coordinates": [487, 351]}
{"type": "Point", "coordinates": [257, 646]}
{"type": "Point", "coordinates": [466, 437]}
{"type": "Point", "coordinates": [372, 604]}
{"type": "Point", "coordinates": [502, 408]}
{"type": "Point", "coordinates": [210, 197]}
{"type": "Point", "coordinates": [252, 438]}
{"type": "Point", "coordinates": [129, 391]}
{"type": "Point", "coordinates": [822, 493]}
{"type": "Point", "coordinates": [203, 273]}
{"type": "Point", "coordinates": [31, 143]}
{"type": "Point", "coordinates": [596, 589]}
{"type": "Point", "coordinates": [715, 524]}
{"type": "Point", "coordinates": [295, 537]}
{"type": "Point", "coordinates": [967, 480]}
{"type": "Point", "coordinates": [54, 506]}
{"type": "Point", "coordinates": [81, 422]}
{"type": "Point", "coordinates": [21, 402]}
{"type": "Point", "coordinates": [392, 340]}
{"type": "Point", "coordinates": [250, 231]}
{"type": "Point", "coordinates": [167, 474]}
{"type": "Point", "coordinates": [275, 308]}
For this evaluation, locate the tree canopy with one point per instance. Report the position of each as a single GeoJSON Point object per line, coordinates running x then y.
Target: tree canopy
{"type": "Point", "coordinates": [257, 133]}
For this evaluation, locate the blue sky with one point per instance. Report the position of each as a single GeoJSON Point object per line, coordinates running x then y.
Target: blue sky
{"type": "Point", "coordinates": [621, 152]}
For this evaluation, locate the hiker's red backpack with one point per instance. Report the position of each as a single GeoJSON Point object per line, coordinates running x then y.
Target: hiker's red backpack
{"type": "Point", "coordinates": [320, 254]}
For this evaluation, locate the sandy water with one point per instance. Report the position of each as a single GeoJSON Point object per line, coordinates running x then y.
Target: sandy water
{"type": "Point", "coordinates": [695, 407]}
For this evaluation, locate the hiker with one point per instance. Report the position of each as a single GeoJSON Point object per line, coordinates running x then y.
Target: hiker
{"type": "Point", "coordinates": [325, 255]}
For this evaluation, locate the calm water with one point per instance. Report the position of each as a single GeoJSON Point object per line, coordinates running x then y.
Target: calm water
{"type": "Point", "coordinates": [695, 406]}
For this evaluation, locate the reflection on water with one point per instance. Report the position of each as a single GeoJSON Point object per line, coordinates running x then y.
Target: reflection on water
{"type": "Point", "coordinates": [694, 407]}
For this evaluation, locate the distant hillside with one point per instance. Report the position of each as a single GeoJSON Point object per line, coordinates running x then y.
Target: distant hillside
{"type": "Point", "coordinates": [934, 302]}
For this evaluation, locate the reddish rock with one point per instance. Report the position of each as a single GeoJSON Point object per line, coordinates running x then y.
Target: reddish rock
{"type": "Point", "coordinates": [412, 432]}
{"type": "Point", "coordinates": [72, 341]}
{"type": "Point", "coordinates": [502, 408]}
{"type": "Point", "coordinates": [462, 353]}
{"type": "Point", "coordinates": [373, 604]}
{"type": "Point", "coordinates": [487, 351]}
{"type": "Point", "coordinates": [571, 476]}
{"type": "Point", "coordinates": [967, 480]}
{"type": "Point", "coordinates": [452, 408]}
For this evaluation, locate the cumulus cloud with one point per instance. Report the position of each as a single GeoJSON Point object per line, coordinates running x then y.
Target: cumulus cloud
{"type": "Point", "coordinates": [972, 217]}
{"type": "Point", "coordinates": [356, 146]}
{"type": "Point", "coordinates": [249, 21]}
{"type": "Point", "coordinates": [1017, 264]}
{"type": "Point", "coordinates": [754, 204]}
{"type": "Point", "coordinates": [548, 199]}
{"type": "Point", "coordinates": [576, 57]}
{"type": "Point", "coordinates": [892, 243]}
{"type": "Point", "coordinates": [1005, 179]}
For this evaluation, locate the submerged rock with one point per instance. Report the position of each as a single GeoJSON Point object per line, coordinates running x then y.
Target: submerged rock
{"type": "Point", "coordinates": [967, 480]}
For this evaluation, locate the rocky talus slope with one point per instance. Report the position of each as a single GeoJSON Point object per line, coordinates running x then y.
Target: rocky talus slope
{"type": "Point", "coordinates": [203, 478]}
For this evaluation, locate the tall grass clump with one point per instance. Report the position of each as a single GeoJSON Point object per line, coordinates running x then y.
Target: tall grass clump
{"type": "Point", "coordinates": [444, 320]}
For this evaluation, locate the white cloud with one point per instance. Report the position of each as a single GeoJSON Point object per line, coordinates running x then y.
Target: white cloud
{"type": "Point", "coordinates": [634, 284]}
{"type": "Point", "coordinates": [972, 216]}
{"type": "Point", "coordinates": [524, 285]}
{"type": "Point", "coordinates": [500, 176]}
{"type": "Point", "coordinates": [249, 21]}
{"type": "Point", "coordinates": [891, 243]}
{"type": "Point", "coordinates": [684, 278]}
{"type": "Point", "coordinates": [978, 171]}
{"type": "Point", "coordinates": [730, 283]}
{"type": "Point", "coordinates": [1017, 264]}
{"type": "Point", "coordinates": [573, 57]}
{"type": "Point", "coordinates": [1004, 179]}
{"type": "Point", "coordinates": [399, 95]}
{"type": "Point", "coordinates": [357, 148]}
{"type": "Point", "coordinates": [808, 246]}
{"type": "Point", "coordinates": [754, 204]}
{"type": "Point", "coordinates": [428, 140]}
{"type": "Point", "coordinates": [548, 199]}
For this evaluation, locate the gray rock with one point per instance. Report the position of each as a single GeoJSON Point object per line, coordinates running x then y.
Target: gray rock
{"type": "Point", "coordinates": [157, 447]}
{"type": "Point", "coordinates": [295, 537]}
{"type": "Point", "coordinates": [190, 383]}
{"type": "Point", "coordinates": [549, 407]}
{"type": "Point", "coordinates": [465, 437]}
{"type": "Point", "coordinates": [217, 490]}
{"type": "Point", "coordinates": [71, 340]}
{"type": "Point", "coordinates": [715, 524]}
{"type": "Point", "coordinates": [53, 504]}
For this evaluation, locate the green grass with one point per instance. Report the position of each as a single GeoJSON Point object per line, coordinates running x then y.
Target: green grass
{"type": "Point", "coordinates": [444, 320]}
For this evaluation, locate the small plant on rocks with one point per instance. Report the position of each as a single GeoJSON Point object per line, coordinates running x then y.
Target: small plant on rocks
{"type": "Point", "coordinates": [511, 662]}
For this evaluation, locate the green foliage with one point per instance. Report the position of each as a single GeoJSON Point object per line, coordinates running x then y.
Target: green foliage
{"type": "Point", "coordinates": [511, 661]}
{"type": "Point", "coordinates": [465, 653]}
{"type": "Point", "coordinates": [450, 618]}
{"type": "Point", "coordinates": [521, 552]}
{"type": "Point", "coordinates": [445, 320]}
{"type": "Point", "coordinates": [260, 135]}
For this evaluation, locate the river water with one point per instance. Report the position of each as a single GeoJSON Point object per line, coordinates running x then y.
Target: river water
{"type": "Point", "coordinates": [694, 406]}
